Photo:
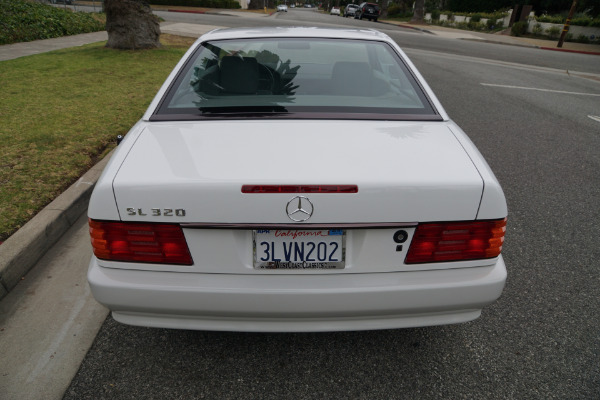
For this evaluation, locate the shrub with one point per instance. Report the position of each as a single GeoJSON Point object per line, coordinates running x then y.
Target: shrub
{"type": "Point", "coordinates": [475, 26]}
{"type": "Point", "coordinates": [538, 30]}
{"type": "Point", "coordinates": [581, 21]}
{"type": "Point", "coordinates": [578, 20]}
{"type": "Point", "coordinates": [475, 18]}
{"type": "Point", "coordinates": [24, 21]}
{"type": "Point", "coordinates": [398, 11]}
{"type": "Point", "coordinates": [435, 15]}
{"type": "Point", "coordinates": [582, 39]}
{"type": "Point", "coordinates": [553, 32]}
{"type": "Point", "coordinates": [519, 28]}
{"type": "Point", "coordinates": [198, 3]}
{"type": "Point", "coordinates": [394, 10]}
{"type": "Point", "coordinates": [493, 24]}
{"type": "Point", "coordinates": [553, 19]}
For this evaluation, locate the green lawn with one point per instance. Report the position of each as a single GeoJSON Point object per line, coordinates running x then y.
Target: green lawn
{"type": "Point", "coordinates": [61, 111]}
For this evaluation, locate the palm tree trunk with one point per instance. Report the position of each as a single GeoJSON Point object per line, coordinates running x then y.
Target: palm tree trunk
{"type": "Point", "coordinates": [131, 25]}
{"type": "Point", "coordinates": [419, 14]}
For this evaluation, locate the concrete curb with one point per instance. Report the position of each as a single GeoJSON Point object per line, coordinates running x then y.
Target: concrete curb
{"type": "Point", "coordinates": [185, 11]}
{"type": "Point", "coordinates": [529, 46]}
{"type": "Point", "coordinates": [414, 28]}
{"type": "Point", "coordinates": [20, 252]}
{"type": "Point", "coordinates": [593, 53]}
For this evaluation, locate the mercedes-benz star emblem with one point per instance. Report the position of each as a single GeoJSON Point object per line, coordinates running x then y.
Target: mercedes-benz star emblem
{"type": "Point", "coordinates": [299, 209]}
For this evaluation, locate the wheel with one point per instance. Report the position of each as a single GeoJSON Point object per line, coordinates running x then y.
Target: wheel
{"type": "Point", "coordinates": [375, 19]}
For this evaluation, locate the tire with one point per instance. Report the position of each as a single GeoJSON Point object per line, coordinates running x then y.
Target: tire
{"type": "Point", "coordinates": [375, 19]}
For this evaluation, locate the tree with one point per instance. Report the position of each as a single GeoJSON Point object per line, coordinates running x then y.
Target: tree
{"type": "Point", "coordinates": [131, 25]}
{"type": "Point", "coordinates": [419, 14]}
{"type": "Point", "coordinates": [384, 9]}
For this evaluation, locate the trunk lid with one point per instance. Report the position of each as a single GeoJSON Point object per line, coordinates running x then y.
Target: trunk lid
{"type": "Point", "coordinates": [405, 172]}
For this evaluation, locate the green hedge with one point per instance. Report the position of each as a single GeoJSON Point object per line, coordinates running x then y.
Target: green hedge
{"type": "Point", "coordinates": [24, 21]}
{"type": "Point", "coordinates": [198, 3]}
{"type": "Point", "coordinates": [398, 11]}
{"type": "Point", "coordinates": [577, 21]}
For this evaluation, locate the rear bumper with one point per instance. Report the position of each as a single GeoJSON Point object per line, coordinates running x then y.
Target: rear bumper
{"type": "Point", "coordinates": [296, 303]}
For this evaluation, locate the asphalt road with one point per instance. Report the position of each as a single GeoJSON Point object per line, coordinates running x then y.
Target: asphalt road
{"type": "Point", "coordinates": [532, 122]}
{"type": "Point", "coordinates": [406, 38]}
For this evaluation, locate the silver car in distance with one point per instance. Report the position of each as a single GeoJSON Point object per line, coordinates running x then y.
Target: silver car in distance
{"type": "Point", "coordinates": [296, 179]}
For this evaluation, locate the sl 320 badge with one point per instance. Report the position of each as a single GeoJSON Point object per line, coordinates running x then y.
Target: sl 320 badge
{"type": "Point", "coordinates": [157, 212]}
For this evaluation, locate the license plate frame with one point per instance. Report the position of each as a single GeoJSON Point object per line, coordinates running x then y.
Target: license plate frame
{"type": "Point", "coordinates": [299, 249]}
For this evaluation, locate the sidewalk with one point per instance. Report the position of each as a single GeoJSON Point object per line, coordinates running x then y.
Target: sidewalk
{"type": "Point", "coordinates": [12, 51]}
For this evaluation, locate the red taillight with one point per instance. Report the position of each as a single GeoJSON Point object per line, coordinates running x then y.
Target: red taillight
{"type": "Point", "coordinates": [456, 241]}
{"type": "Point", "coordinates": [139, 242]}
{"type": "Point", "coordinates": [299, 189]}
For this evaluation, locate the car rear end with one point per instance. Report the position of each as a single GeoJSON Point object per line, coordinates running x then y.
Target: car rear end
{"type": "Point", "coordinates": [350, 10]}
{"type": "Point", "coordinates": [369, 11]}
{"type": "Point", "coordinates": [298, 220]}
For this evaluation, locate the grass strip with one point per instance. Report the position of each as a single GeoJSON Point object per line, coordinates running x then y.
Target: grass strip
{"type": "Point", "coordinates": [61, 112]}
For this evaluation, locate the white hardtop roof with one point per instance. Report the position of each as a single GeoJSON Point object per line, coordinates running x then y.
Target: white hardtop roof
{"type": "Point", "coordinates": [300, 32]}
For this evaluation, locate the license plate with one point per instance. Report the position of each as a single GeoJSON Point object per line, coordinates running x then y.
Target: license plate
{"type": "Point", "coordinates": [299, 249]}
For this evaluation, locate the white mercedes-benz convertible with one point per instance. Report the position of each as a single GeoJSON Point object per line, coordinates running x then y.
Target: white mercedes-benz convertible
{"type": "Point", "coordinates": [297, 179]}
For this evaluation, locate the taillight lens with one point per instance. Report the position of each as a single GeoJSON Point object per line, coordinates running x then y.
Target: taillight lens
{"type": "Point", "coordinates": [456, 241]}
{"type": "Point", "coordinates": [139, 242]}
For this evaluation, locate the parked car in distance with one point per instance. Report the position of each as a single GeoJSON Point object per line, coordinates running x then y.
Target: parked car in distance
{"type": "Point", "coordinates": [350, 10]}
{"type": "Point", "coordinates": [292, 6]}
{"type": "Point", "coordinates": [296, 179]}
{"type": "Point", "coordinates": [369, 11]}
{"type": "Point", "coordinates": [282, 7]}
{"type": "Point", "coordinates": [334, 11]}
{"type": "Point", "coordinates": [306, 5]}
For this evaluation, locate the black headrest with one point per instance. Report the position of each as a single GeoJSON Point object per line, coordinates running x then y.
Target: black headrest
{"type": "Point", "coordinates": [239, 75]}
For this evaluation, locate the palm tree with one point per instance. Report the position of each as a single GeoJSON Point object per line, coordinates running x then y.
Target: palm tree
{"type": "Point", "coordinates": [384, 9]}
{"type": "Point", "coordinates": [131, 25]}
{"type": "Point", "coordinates": [419, 14]}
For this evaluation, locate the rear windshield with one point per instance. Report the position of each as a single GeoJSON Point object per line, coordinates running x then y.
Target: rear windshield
{"type": "Point", "coordinates": [295, 78]}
